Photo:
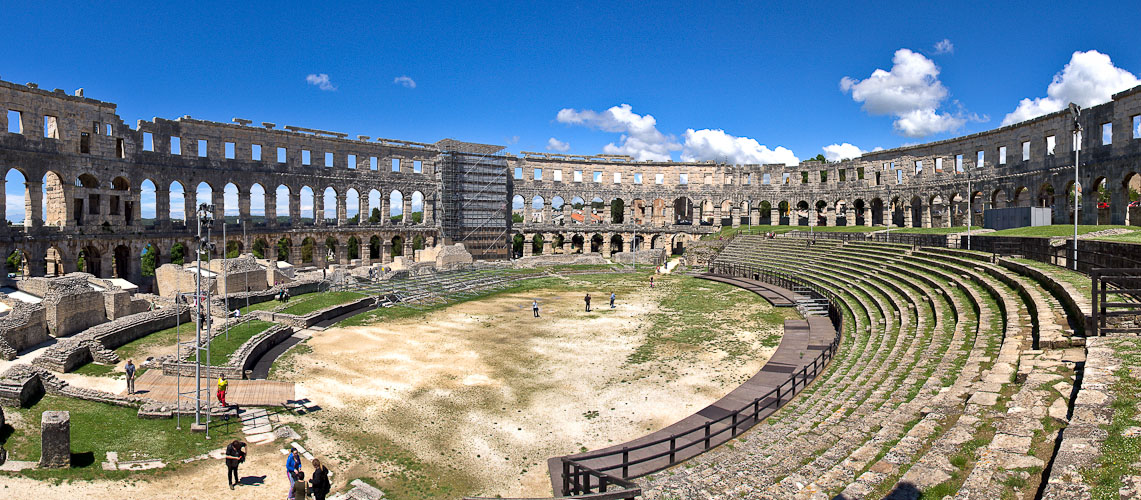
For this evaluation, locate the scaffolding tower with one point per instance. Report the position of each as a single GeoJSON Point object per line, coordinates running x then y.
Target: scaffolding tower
{"type": "Point", "coordinates": [474, 202]}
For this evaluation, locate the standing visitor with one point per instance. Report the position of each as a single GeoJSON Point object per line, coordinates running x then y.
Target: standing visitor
{"type": "Point", "coordinates": [223, 384]}
{"type": "Point", "coordinates": [651, 281]}
{"type": "Point", "coordinates": [130, 376]}
{"type": "Point", "coordinates": [612, 300]}
{"type": "Point", "coordinates": [535, 307]}
{"type": "Point", "coordinates": [299, 490]}
{"type": "Point", "coordinates": [235, 455]}
{"type": "Point", "coordinates": [587, 299]}
{"type": "Point", "coordinates": [292, 468]}
{"type": "Point", "coordinates": [319, 484]}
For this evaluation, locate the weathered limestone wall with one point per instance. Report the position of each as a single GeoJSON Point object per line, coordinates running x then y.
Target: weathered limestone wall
{"type": "Point", "coordinates": [71, 305]}
{"type": "Point", "coordinates": [24, 326]}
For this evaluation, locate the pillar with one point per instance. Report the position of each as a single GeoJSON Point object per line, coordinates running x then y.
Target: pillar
{"type": "Point", "coordinates": [830, 216]}
{"type": "Point", "coordinates": [162, 209]}
{"type": "Point", "coordinates": [244, 209]}
{"type": "Point", "coordinates": [429, 210]}
{"type": "Point", "coordinates": [567, 244]}
{"type": "Point", "coordinates": [1118, 204]}
{"type": "Point", "coordinates": [362, 209]}
{"type": "Point", "coordinates": [190, 209]}
{"type": "Point", "coordinates": [735, 214]}
{"type": "Point", "coordinates": [754, 216]}
{"type": "Point", "coordinates": [218, 199]}
{"type": "Point", "coordinates": [605, 245]}
{"type": "Point", "coordinates": [548, 242]}
{"type": "Point", "coordinates": [55, 439]}
{"type": "Point", "coordinates": [295, 207]}
{"type": "Point", "coordinates": [527, 244]}
{"type": "Point", "coordinates": [774, 216]}
{"type": "Point", "coordinates": [887, 215]}
{"type": "Point", "coordinates": [385, 209]}
{"type": "Point", "coordinates": [668, 218]}
{"type": "Point", "coordinates": [34, 204]}
{"type": "Point", "coordinates": [342, 215]}
{"type": "Point", "coordinates": [295, 252]}
{"type": "Point", "coordinates": [907, 216]}
{"type": "Point", "coordinates": [407, 250]}
{"type": "Point", "coordinates": [271, 208]}
{"type": "Point", "coordinates": [385, 251]}
{"type": "Point", "coordinates": [406, 215]}
{"type": "Point", "coordinates": [37, 260]}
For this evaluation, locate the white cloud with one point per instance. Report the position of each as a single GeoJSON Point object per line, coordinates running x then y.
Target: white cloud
{"type": "Point", "coordinates": [910, 91]}
{"type": "Point", "coordinates": [716, 145]}
{"type": "Point", "coordinates": [640, 136]}
{"type": "Point", "coordinates": [405, 81]}
{"type": "Point", "coordinates": [512, 140]}
{"type": "Point", "coordinates": [321, 81]}
{"type": "Point", "coordinates": [944, 46]}
{"type": "Point", "coordinates": [557, 145]}
{"type": "Point", "coordinates": [845, 151]}
{"type": "Point", "coordinates": [1089, 78]}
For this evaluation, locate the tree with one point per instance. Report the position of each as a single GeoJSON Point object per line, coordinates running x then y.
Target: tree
{"type": "Point", "coordinates": [517, 244]}
{"type": "Point", "coordinates": [354, 248]}
{"type": "Point", "coordinates": [417, 217]}
{"type": "Point", "coordinates": [177, 254]}
{"type": "Point", "coordinates": [150, 258]}
{"type": "Point", "coordinates": [355, 220]}
{"type": "Point", "coordinates": [233, 248]}
{"type": "Point", "coordinates": [517, 218]}
{"type": "Point", "coordinates": [396, 218]}
{"type": "Point", "coordinates": [15, 261]}
{"type": "Point", "coordinates": [283, 250]}
{"type": "Point", "coordinates": [618, 211]}
{"type": "Point", "coordinates": [375, 217]}
{"type": "Point", "coordinates": [417, 242]}
{"type": "Point", "coordinates": [259, 248]}
{"type": "Point", "coordinates": [820, 158]}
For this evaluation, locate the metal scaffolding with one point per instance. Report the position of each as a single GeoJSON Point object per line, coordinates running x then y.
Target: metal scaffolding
{"type": "Point", "coordinates": [475, 195]}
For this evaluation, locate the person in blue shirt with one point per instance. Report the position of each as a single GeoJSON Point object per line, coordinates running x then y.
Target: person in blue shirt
{"type": "Point", "coordinates": [292, 467]}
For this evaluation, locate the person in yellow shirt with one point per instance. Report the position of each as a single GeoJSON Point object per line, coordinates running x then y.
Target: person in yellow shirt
{"type": "Point", "coordinates": [223, 384]}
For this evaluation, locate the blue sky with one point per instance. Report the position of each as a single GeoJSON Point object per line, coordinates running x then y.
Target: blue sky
{"type": "Point", "coordinates": [713, 76]}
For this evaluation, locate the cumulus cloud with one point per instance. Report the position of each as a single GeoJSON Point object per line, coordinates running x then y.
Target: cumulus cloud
{"type": "Point", "coordinates": [944, 46]}
{"type": "Point", "coordinates": [910, 91]}
{"type": "Point", "coordinates": [716, 145]}
{"type": "Point", "coordinates": [1089, 78]}
{"type": "Point", "coordinates": [557, 145]}
{"type": "Point", "coordinates": [845, 151]}
{"type": "Point", "coordinates": [405, 81]}
{"type": "Point", "coordinates": [640, 138]}
{"type": "Point", "coordinates": [321, 81]}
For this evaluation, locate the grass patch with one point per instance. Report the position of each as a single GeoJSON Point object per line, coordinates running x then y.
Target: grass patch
{"type": "Point", "coordinates": [1118, 452]}
{"type": "Point", "coordinates": [930, 230]}
{"type": "Point", "coordinates": [161, 338]}
{"type": "Point", "coordinates": [223, 345]}
{"type": "Point", "coordinates": [310, 302]}
{"type": "Point", "coordinates": [97, 428]}
{"type": "Point", "coordinates": [97, 370]}
{"type": "Point", "coordinates": [1055, 230]}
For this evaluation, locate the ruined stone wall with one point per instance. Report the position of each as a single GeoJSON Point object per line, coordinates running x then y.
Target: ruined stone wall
{"type": "Point", "coordinates": [71, 305]}
{"type": "Point", "coordinates": [24, 326]}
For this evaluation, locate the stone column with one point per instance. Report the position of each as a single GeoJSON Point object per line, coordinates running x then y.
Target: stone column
{"type": "Point", "coordinates": [295, 253]}
{"type": "Point", "coordinates": [429, 210]}
{"type": "Point", "coordinates": [668, 218]}
{"type": "Point", "coordinates": [244, 208]}
{"type": "Point", "coordinates": [190, 210]}
{"type": "Point", "coordinates": [774, 216]}
{"type": "Point", "coordinates": [271, 208]}
{"type": "Point", "coordinates": [218, 198]}
{"type": "Point", "coordinates": [546, 212]}
{"type": "Point", "coordinates": [887, 214]}
{"type": "Point", "coordinates": [925, 213]}
{"type": "Point", "coordinates": [55, 439]}
{"type": "Point", "coordinates": [406, 218]}
{"type": "Point", "coordinates": [37, 261]}
{"type": "Point", "coordinates": [385, 252]}
{"type": "Point", "coordinates": [548, 242]}
{"type": "Point", "coordinates": [830, 216]}
{"type": "Point", "coordinates": [295, 207]}
{"type": "Point", "coordinates": [605, 245]}
{"type": "Point", "coordinates": [34, 204]}
{"type": "Point", "coordinates": [362, 209]}
{"type": "Point", "coordinates": [162, 209]}
{"type": "Point", "coordinates": [735, 214]}
{"type": "Point", "coordinates": [385, 210]}
{"type": "Point", "coordinates": [813, 216]}
{"type": "Point", "coordinates": [754, 216]}
{"type": "Point", "coordinates": [567, 245]}
{"type": "Point", "coordinates": [342, 211]}
{"type": "Point", "coordinates": [527, 244]}
{"type": "Point", "coordinates": [408, 254]}
{"type": "Point", "coordinates": [907, 216]}
{"type": "Point", "coordinates": [1118, 204]}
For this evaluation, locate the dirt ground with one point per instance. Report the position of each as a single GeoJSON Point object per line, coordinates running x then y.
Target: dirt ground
{"type": "Point", "coordinates": [471, 399]}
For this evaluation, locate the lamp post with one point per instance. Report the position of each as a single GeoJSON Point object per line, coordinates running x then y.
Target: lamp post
{"type": "Point", "coordinates": [204, 245]}
{"type": "Point", "coordinates": [970, 208]}
{"type": "Point", "coordinates": [891, 214]}
{"type": "Point", "coordinates": [1076, 113]}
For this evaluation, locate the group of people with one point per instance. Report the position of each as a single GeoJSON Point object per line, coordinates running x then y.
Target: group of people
{"type": "Point", "coordinates": [282, 296]}
{"type": "Point", "coordinates": [318, 485]}
{"type": "Point", "coordinates": [613, 297]}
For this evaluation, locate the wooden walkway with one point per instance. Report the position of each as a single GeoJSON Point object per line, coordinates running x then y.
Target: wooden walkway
{"type": "Point", "coordinates": [154, 385]}
{"type": "Point", "coordinates": [803, 340]}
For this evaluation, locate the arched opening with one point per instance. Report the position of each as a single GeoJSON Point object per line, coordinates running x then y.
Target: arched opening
{"type": "Point", "coordinates": [916, 211]}
{"type": "Point", "coordinates": [683, 211]}
{"type": "Point", "coordinates": [577, 242]}
{"type": "Point", "coordinates": [396, 208]}
{"type": "Point", "coordinates": [557, 211]}
{"type": "Point", "coordinates": [1045, 196]}
{"type": "Point", "coordinates": [821, 213]}
{"type": "Point", "coordinates": [1071, 195]}
{"type": "Point", "coordinates": [578, 210]}
{"type": "Point", "coordinates": [374, 215]}
{"type": "Point", "coordinates": [656, 241]}
{"type": "Point", "coordinates": [802, 213]}
{"type": "Point", "coordinates": [638, 210]}
{"type": "Point", "coordinates": [331, 249]}
{"type": "Point", "coordinates": [284, 246]}
{"type": "Point", "coordinates": [517, 246]}
{"type": "Point", "coordinates": [678, 246]}
{"type": "Point", "coordinates": [618, 211]}
{"type": "Point", "coordinates": [596, 210]}
{"type": "Point", "coordinates": [307, 208]}
{"type": "Point", "coordinates": [233, 249]}
{"type": "Point", "coordinates": [537, 244]}
{"type": "Point", "coordinates": [397, 246]}
{"type": "Point", "coordinates": [55, 262]}
{"type": "Point", "coordinates": [374, 248]}
{"type": "Point", "coordinates": [877, 212]}
{"type": "Point", "coordinates": [257, 205]}
{"type": "Point", "coordinates": [122, 262]}
{"type": "Point", "coordinates": [1132, 186]}
{"type": "Point", "coordinates": [766, 215]}
{"type": "Point", "coordinates": [85, 203]}
{"type": "Point", "coordinates": [417, 208]}
{"type": "Point", "coordinates": [638, 242]}
{"type": "Point", "coordinates": [120, 204]}
{"type": "Point", "coordinates": [231, 211]}
{"type": "Point", "coordinates": [557, 244]}
{"type": "Point", "coordinates": [726, 213]}
{"type": "Point", "coordinates": [88, 261]}
{"type": "Point", "coordinates": [177, 213]}
{"type": "Point", "coordinates": [148, 202]}
{"type": "Point", "coordinates": [178, 253]}
{"type": "Point", "coordinates": [352, 207]}
{"type": "Point", "coordinates": [1022, 197]}
{"type": "Point", "coordinates": [16, 192]}
{"type": "Point", "coordinates": [860, 212]}
{"type": "Point", "coordinates": [1104, 201]}
{"type": "Point", "coordinates": [537, 205]}
{"type": "Point", "coordinates": [596, 243]}
{"type": "Point", "coordinates": [307, 247]}
{"type": "Point", "coordinates": [417, 242]}
{"type": "Point", "coordinates": [353, 248]}
{"type": "Point", "coordinates": [706, 213]}
{"type": "Point", "coordinates": [658, 213]}
{"type": "Point", "coordinates": [998, 198]}
{"type": "Point", "coordinates": [55, 200]}
{"type": "Point", "coordinates": [784, 213]}
{"type": "Point", "coordinates": [203, 195]}
{"type": "Point", "coordinates": [260, 247]}
{"type": "Point", "coordinates": [517, 204]}
{"type": "Point", "coordinates": [841, 213]}
{"type": "Point", "coordinates": [16, 264]}
{"type": "Point", "coordinates": [977, 208]}
{"type": "Point", "coordinates": [329, 206]}
{"type": "Point", "coordinates": [616, 245]}
{"type": "Point", "coordinates": [149, 260]}
{"type": "Point", "coordinates": [281, 206]}
{"type": "Point", "coordinates": [897, 209]}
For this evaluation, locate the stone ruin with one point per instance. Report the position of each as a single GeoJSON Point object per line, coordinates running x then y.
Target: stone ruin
{"type": "Point", "coordinates": [221, 276]}
{"type": "Point", "coordinates": [55, 439]}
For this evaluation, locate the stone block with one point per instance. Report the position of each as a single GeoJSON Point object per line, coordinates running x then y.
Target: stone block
{"type": "Point", "coordinates": [55, 439]}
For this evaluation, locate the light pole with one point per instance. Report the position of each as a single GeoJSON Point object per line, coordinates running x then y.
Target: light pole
{"type": "Point", "coordinates": [970, 208]}
{"type": "Point", "coordinates": [891, 214]}
{"type": "Point", "coordinates": [1076, 113]}
{"type": "Point", "coordinates": [204, 245]}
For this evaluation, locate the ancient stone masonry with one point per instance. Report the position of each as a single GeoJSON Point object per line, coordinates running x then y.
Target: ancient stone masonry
{"type": "Point", "coordinates": [55, 439]}
{"type": "Point", "coordinates": [93, 171]}
{"type": "Point", "coordinates": [95, 343]}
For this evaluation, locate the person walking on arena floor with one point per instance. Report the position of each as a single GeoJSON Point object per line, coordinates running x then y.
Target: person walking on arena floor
{"type": "Point", "coordinates": [130, 368]}
{"type": "Point", "coordinates": [223, 384]}
{"type": "Point", "coordinates": [535, 307]}
{"type": "Point", "coordinates": [292, 469]}
{"type": "Point", "coordinates": [587, 299]}
{"type": "Point", "coordinates": [612, 300]}
{"type": "Point", "coordinates": [319, 484]}
{"type": "Point", "coordinates": [235, 455]}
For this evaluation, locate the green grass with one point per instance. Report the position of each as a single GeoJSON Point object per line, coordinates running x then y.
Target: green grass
{"type": "Point", "coordinates": [1055, 230]}
{"type": "Point", "coordinates": [317, 301]}
{"type": "Point", "coordinates": [134, 348]}
{"type": "Point", "coordinates": [1134, 237]}
{"type": "Point", "coordinates": [931, 230]}
{"type": "Point", "coordinates": [97, 370]}
{"type": "Point", "coordinates": [1119, 452]}
{"type": "Point", "coordinates": [97, 428]}
{"type": "Point", "coordinates": [729, 232]}
{"type": "Point", "coordinates": [225, 344]}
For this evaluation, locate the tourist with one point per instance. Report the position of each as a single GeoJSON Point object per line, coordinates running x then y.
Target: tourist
{"type": "Point", "coordinates": [319, 484]}
{"type": "Point", "coordinates": [235, 455]}
{"type": "Point", "coordinates": [612, 300]}
{"type": "Point", "coordinates": [292, 469]}
{"type": "Point", "coordinates": [130, 376]}
{"type": "Point", "coordinates": [587, 299]}
{"type": "Point", "coordinates": [222, 385]}
{"type": "Point", "coordinates": [651, 281]}
{"type": "Point", "coordinates": [535, 307]}
{"type": "Point", "coordinates": [298, 490]}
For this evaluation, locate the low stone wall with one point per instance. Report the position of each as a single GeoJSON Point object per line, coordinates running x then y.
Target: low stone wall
{"type": "Point", "coordinates": [647, 257]}
{"type": "Point", "coordinates": [21, 384]}
{"type": "Point", "coordinates": [23, 327]}
{"type": "Point", "coordinates": [1072, 301]}
{"type": "Point", "coordinates": [559, 260]}
{"type": "Point", "coordinates": [95, 343]}
{"type": "Point", "coordinates": [238, 300]}
{"type": "Point", "coordinates": [302, 322]}
{"type": "Point", "coordinates": [248, 355]}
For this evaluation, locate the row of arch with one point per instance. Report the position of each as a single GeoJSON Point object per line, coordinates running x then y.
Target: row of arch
{"type": "Point", "coordinates": [607, 244]}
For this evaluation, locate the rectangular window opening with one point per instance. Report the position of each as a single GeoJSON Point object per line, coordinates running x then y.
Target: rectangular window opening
{"type": "Point", "coordinates": [959, 163]}
{"type": "Point", "coordinates": [306, 157]}
{"type": "Point", "coordinates": [281, 155]}
{"type": "Point", "coordinates": [707, 180]}
{"type": "Point", "coordinates": [372, 163]}
{"type": "Point", "coordinates": [578, 175]}
{"type": "Point", "coordinates": [843, 174]}
{"type": "Point", "coordinates": [1026, 151]}
{"type": "Point", "coordinates": [108, 129]}
{"type": "Point", "coordinates": [899, 176]}
{"type": "Point", "coordinates": [1051, 142]}
{"type": "Point", "coordinates": [823, 176]}
{"type": "Point", "coordinates": [255, 152]}
{"type": "Point", "coordinates": [787, 178]}
{"type": "Point", "coordinates": [557, 175]}
{"type": "Point", "coordinates": [175, 145]}
{"type": "Point", "coordinates": [120, 148]}
{"type": "Point", "coordinates": [351, 161]}
{"type": "Point", "coordinates": [51, 127]}
{"type": "Point", "coordinates": [918, 167]}
{"type": "Point", "coordinates": [980, 160]}
{"type": "Point", "coordinates": [804, 177]}
{"type": "Point", "coordinates": [683, 178]}
{"type": "Point", "coordinates": [597, 177]}
{"type": "Point", "coordinates": [1106, 134]}
{"type": "Point", "coordinates": [1002, 155]}
{"type": "Point", "coordinates": [15, 122]}
{"type": "Point", "coordinates": [84, 143]}
{"type": "Point", "coordinates": [938, 164]}
{"type": "Point", "coordinates": [637, 178]}
{"type": "Point", "coordinates": [518, 172]}
{"type": "Point", "coordinates": [328, 160]}
{"type": "Point", "coordinates": [537, 174]}
{"type": "Point", "coordinates": [766, 179]}
{"type": "Point", "coordinates": [396, 164]}
{"type": "Point", "coordinates": [1137, 126]}
{"type": "Point", "coordinates": [617, 178]}
{"type": "Point", "coordinates": [860, 173]}
{"type": "Point", "coordinates": [229, 150]}
{"type": "Point", "coordinates": [659, 178]}
{"type": "Point", "coordinates": [202, 147]}
{"type": "Point", "coordinates": [417, 167]}
{"type": "Point", "coordinates": [148, 141]}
